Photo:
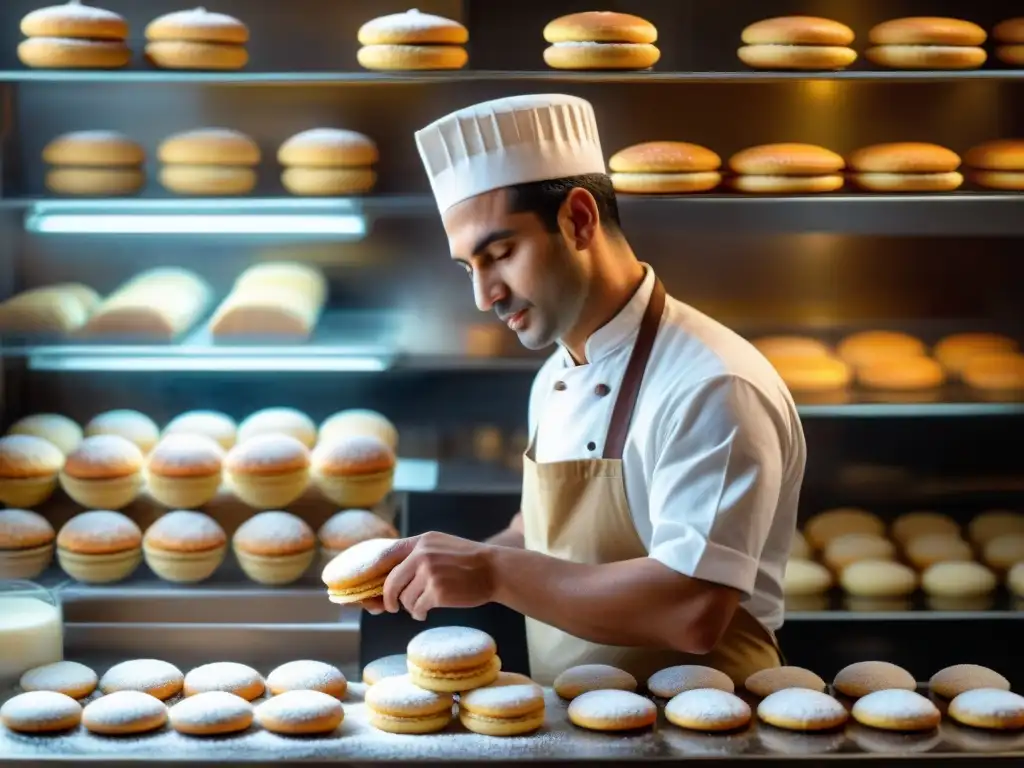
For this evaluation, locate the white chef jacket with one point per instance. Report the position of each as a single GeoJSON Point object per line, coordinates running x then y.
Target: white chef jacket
{"type": "Point", "coordinates": [715, 453]}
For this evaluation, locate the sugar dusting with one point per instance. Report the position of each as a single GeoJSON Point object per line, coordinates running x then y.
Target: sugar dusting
{"type": "Point", "coordinates": [386, 666]}
{"type": "Point", "coordinates": [504, 696]}
{"type": "Point", "coordinates": [398, 695]}
{"type": "Point", "coordinates": [708, 705]}
{"type": "Point", "coordinates": [72, 10]}
{"type": "Point", "coordinates": [672, 681]}
{"type": "Point", "coordinates": [450, 643]}
{"type": "Point", "coordinates": [221, 676]}
{"type": "Point", "coordinates": [353, 449]}
{"type": "Point", "coordinates": [989, 702]}
{"type": "Point", "coordinates": [282, 528]}
{"type": "Point", "coordinates": [140, 675]}
{"type": "Point", "coordinates": [611, 705]}
{"type": "Point", "coordinates": [963, 677]}
{"type": "Point", "coordinates": [100, 526]}
{"type": "Point", "coordinates": [18, 526]}
{"type": "Point", "coordinates": [592, 677]}
{"type": "Point", "coordinates": [299, 707]}
{"type": "Point", "coordinates": [268, 452]}
{"type": "Point", "coordinates": [355, 525]}
{"type": "Point", "coordinates": [356, 561]}
{"type": "Point", "coordinates": [200, 17]}
{"type": "Point", "coordinates": [39, 707]}
{"type": "Point", "coordinates": [801, 705]}
{"type": "Point", "coordinates": [122, 708]}
{"type": "Point", "coordinates": [895, 703]}
{"type": "Point", "coordinates": [96, 452]}
{"type": "Point", "coordinates": [409, 22]}
{"type": "Point", "coordinates": [874, 676]}
{"type": "Point", "coordinates": [59, 676]}
{"type": "Point", "coordinates": [304, 674]}
{"type": "Point", "coordinates": [187, 527]}
{"type": "Point", "coordinates": [210, 709]}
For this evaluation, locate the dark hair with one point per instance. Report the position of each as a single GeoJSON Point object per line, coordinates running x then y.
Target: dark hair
{"type": "Point", "coordinates": [544, 198]}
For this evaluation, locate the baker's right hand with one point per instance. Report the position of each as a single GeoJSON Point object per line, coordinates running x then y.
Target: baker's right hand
{"type": "Point", "coordinates": [373, 606]}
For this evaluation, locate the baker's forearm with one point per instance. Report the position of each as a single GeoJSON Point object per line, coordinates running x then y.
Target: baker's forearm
{"type": "Point", "coordinates": [632, 603]}
{"type": "Point", "coordinates": [511, 536]}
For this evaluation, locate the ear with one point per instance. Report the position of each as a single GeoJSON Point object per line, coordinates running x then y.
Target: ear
{"type": "Point", "coordinates": [579, 218]}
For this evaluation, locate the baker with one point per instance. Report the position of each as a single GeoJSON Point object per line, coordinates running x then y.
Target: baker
{"type": "Point", "coordinates": [661, 481]}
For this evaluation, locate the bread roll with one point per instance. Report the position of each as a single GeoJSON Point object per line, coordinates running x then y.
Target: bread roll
{"type": "Point", "coordinates": [158, 304]}
{"type": "Point", "coordinates": [954, 351]}
{"type": "Point", "coordinates": [279, 299]}
{"type": "Point", "coordinates": [55, 309]}
{"type": "Point", "coordinates": [866, 347]}
{"type": "Point", "coordinates": [995, 372]}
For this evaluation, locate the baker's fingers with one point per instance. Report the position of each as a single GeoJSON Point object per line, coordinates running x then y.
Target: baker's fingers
{"type": "Point", "coordinates": [398, 580]}
{"type": "Point", "coordinates": [426, 601]}
{"type": "Point", "coordinates": [373, 605]}
{"type": "Point", "coordinates": [411, 594]}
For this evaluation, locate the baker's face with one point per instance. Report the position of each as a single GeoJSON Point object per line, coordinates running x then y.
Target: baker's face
{"type": "Point", "coordinates": [534, 280]}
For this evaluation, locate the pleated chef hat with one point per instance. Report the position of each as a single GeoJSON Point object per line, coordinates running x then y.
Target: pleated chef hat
{"type": "Point", "coordinates": [509, 141]}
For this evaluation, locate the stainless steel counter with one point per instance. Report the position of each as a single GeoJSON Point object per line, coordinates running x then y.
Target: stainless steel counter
{"type": "Point", "coordinates": [356, 741]}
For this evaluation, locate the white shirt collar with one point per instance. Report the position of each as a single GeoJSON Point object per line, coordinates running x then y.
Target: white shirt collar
{"type": "Point", "coordinates": [620, 329]}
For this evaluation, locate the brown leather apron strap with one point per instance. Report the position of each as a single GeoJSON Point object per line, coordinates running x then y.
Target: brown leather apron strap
{"type": "Point", "coordinates": [625, 403]}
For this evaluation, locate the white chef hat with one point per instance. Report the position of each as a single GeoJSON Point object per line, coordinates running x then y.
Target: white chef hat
{"type": "Point", "coordinates": [509, 141]}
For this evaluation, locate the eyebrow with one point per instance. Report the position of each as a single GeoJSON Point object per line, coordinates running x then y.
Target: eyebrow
{"type": "Point", "coordinates": [487, 240]}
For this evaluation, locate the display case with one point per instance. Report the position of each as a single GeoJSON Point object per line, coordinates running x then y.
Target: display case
{"type": "Point", "coordinates": [399, 334]}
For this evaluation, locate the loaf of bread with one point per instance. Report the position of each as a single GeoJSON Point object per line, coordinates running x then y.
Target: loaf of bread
{"type": "Point", "coordinates": [281, 300]}
{"type": "Point", "coordinates": [53, 309]}
{"type": "Point", "coordinates": [158, 304]}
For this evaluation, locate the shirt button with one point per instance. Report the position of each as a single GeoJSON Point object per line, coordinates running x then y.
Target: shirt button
{"type": "Point", "coordinates": [560, 386]}
{"type": "Point", "coordinates": [602, 389]}
{"type": "Point", "coordinates": [591, 445]}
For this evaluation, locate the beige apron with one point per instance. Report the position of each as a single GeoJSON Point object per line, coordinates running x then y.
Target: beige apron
{"type": "Point", "coordinates": [578, 511]}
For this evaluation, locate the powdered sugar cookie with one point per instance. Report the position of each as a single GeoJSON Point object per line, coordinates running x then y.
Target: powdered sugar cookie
{"type": "Point", "coordinates": [211, 713]}
{"type": "Point", "coordinates": [864, 677]}
{"type": "Point", "coordinates": [300, 712]}
{"type": "Point", "coordinates": [124, 712]}
{"type": "Point", "coordinates": [229, 676]}
{"type": "Point", "coordinates": [952, 681]}
{"type": "Point", "coordinates": [386, 666]}
{"type": "Point", "coordinates": [40, 712]}
{"type": "Point", "coordinates": [592, 677]}
{"type": "Point", "coordinates": [307, 675]}
{"type": "Point", "coordinates": [503, 710]}
{"type": "Point", "coordinates": [768, 681]}
{"type": "Point", "coordinates": [800, 709]}
{"type": "Point", "coordinates": [612, 711]}
{"type": "Point", "coordinates": [672, 681]}
{"type": "Point", "coordinates": [989, 708]}
{"type": "Point", "coordinates": [396, 705]}
{"type": "Point", "coordinates": [896, 710]}
{"type": "Point", "coordinates": [153, 676]}
{"type": "Point", "coordinates": [452, 659]}
{"type": "Point", "coordinates": [708, 709]}
{"type": "Point", "coordinates": [67, 677]}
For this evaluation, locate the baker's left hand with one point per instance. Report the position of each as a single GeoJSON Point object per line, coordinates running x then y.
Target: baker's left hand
{"type": "Point", "coordinates": [439, 571]}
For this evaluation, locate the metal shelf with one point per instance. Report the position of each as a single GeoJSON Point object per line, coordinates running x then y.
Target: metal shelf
{"type": "Point", "coordinates": [968, 213]}
{"type": "Point", "coordinates": [463, 76]}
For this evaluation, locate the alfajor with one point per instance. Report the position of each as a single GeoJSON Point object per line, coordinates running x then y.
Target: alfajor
{"type": "Point", "coordinates": [26, 544]}
{"type": "Point", "coordinates": [59, 430]}
{"type": "Point", "coordinates": [359, 572]}
{"type": "Point", "coordinates": [360, 421]}
{"type": "Point", "coordinates": [99, 547]}
{"type": "Point", "coordinates": [197, 39]}
{"type": "Point", "coordinates": [397, 705]}
{"type": "Point", "coordinates": [927, 42]}
{"type": "Point", "coordinates": [105, 471]}
{"type": "Point", "coordinates": [74, 36]}
{"type": "Point", "coordinates": [999, 165]}
{"type": "Point", "coordinates": [29, 467]}
{"type": "Point", "coordinates": [274, 547]}
{"type": "Point", "coordinates": [184, 471]}
{"type": "Point", "coordinates": [786, 168]}
{"type": "Point", "coordinates": [94, 162]}
{"type": "Point", "coordinates": [905, 166]}
{"type": "Point", "coordinates": [328, 161]}
{"type": "Point", "coordinates": [412, 41]}
{"type": "Point", "coordinates": [268, 471]}
{"type": "Point", "coordinates": [503, 710]}
{"type": "Point", "coordinates": [346, 529]}
{"type": "Point", "coordinates": [452, 659]}
{"type": "Point", "coordinates": [357, 471]}
{"type": "Point", "coordinates": [601, 40]}
{"type": "Point", "coordinates": [1009, 38]}
{"type": "Point", "coordinates": [209, 161]}
{"type": "Point", "coordinates": [665, 167]}
{"type": "Point", "coordinates": [184, 546]}
{"type": "Point", "coordinates": [131, 425]}
{"type": "Point", "coordinates": [213, 424]}
{"type": "Point", "coordinates": [797, 43]}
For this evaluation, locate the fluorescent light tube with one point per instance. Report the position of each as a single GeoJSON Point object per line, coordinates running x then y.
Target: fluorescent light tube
{"type": "Point", "coordinates": [347, 225]}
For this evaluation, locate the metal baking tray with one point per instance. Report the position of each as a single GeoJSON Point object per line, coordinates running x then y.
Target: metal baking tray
{"type": "Point", "coordinates": [357, 742]}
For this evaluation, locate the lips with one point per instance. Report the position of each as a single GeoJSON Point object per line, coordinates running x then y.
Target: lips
{"type": "Point", "coordinates": [516, 321]}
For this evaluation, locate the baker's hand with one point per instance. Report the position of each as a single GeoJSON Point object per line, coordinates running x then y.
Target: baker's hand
{"type": "Point", "coordinates": [439, 571]}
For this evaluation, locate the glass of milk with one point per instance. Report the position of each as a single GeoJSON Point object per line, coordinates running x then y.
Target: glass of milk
{"type": "Point", "coordinates": [31, 629]}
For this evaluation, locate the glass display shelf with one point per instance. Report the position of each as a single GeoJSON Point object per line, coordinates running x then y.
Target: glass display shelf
{"type": "Point", "coordinates": [966, 213]}
{"type": "Point", "coordinates": [355, 77]}
{"type": "Point", "coordinates": [837, 606]}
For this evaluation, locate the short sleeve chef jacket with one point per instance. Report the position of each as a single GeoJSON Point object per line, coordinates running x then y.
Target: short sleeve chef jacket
{"type": "Point", "coordinates": [714, 458]}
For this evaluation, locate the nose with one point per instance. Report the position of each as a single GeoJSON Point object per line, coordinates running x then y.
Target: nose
{"type": "Point", "coordinates": [487, 290]}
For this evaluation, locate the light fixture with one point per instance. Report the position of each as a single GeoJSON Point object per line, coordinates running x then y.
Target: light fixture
{"type": "Point", "coordinates": [346, 225]}
{"type": "Point", "coordinates": [49, 361]}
